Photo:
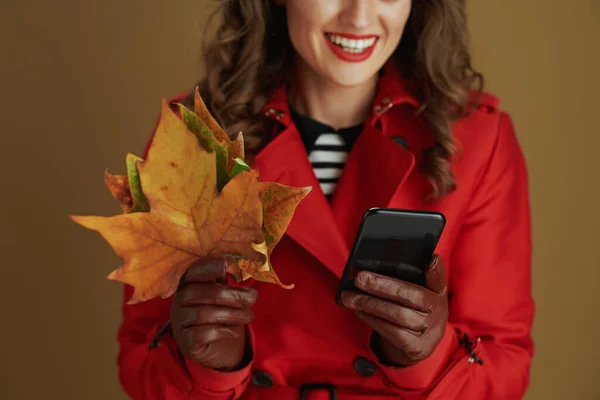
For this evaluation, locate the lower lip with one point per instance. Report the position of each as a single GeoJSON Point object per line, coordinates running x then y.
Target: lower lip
{"type": "Point", "coordinates": [350, 57]}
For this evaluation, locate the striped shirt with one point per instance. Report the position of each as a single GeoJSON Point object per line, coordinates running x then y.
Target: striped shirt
{"type": "Point", "coordinates": [327, 149]}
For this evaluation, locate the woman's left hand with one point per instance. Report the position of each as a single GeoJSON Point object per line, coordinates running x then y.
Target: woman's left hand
{"type": "Point", "coordinates": [410, 319]}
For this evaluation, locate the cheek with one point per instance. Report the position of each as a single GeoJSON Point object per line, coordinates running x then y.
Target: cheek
{"type": "Point", "coordinates": [299, 27]}
{"type": "Point", "coordinates": [395, 22]}
{"type": "Point", "coordinates": [300, 41]}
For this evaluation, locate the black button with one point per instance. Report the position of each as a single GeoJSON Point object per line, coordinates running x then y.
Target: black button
{"type": "Point", "coordinates": [262, 379]}
{"type": "Point", "coordinates": [401, 141]}
{"type": "Point", "coordinates": [364, 366]}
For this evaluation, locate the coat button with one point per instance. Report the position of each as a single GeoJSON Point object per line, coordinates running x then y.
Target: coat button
{"type": "Point", "coordinates": [364, 366]}
{"type": "Point", "coordinates": [262, 379]}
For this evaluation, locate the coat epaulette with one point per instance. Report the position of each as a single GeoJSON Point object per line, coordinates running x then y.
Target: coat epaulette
{"type": "Point", "coordinates": [488, 103]}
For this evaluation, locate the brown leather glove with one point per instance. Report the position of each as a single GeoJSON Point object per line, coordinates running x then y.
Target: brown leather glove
{"type": "Point", "coordinates": [209, 317]}
{"type": "Point", "coordinates": [410, 319]}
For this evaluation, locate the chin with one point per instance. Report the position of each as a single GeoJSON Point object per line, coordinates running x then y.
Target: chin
{"type": "Point", "coordinates": [350, 78]}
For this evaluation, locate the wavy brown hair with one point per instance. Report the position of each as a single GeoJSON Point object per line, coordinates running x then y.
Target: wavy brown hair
{"type": "Point", "coordinates": [251, 54]}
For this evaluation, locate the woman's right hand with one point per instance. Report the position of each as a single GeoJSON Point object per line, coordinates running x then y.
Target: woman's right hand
{"type": "Point", "coordinates": [209, 317]}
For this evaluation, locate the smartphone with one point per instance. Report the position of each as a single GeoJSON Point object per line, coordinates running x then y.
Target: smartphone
{"type": "Point", "coordinates": [393, 242]}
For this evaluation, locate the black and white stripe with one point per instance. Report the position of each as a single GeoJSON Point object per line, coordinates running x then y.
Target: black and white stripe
{"type": "Point", "coordinates": [328, 157]}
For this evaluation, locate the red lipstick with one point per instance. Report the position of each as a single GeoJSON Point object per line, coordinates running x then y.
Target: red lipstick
{"type": "Point", "coordinates": [341, 52]}
{"type": "Point", "coordinates": [351, 35]}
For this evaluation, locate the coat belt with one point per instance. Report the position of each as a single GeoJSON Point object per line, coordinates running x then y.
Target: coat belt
{"type": "Point", "coordinates": [293, 393]}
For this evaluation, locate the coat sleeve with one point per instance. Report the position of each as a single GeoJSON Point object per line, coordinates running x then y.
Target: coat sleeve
{"type": "Point", "coordinates": [490, 292]}
{"type": "Point", "coordinates": [162, 372]}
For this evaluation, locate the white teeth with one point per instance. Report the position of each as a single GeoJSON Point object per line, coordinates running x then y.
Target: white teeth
{"type": "Point", "coordinates": [351, 45]}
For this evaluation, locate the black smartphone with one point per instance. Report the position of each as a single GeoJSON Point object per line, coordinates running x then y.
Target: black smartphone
{"type": "Point", "coordinates": [393, 242]}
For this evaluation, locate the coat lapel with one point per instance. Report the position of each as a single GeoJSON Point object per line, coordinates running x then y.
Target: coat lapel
{"type": "Point", "coordinates": [284, 160]}
{"type": "Point", "coordinates": [380, 161]}
{"type": "Point", "coordinates": [376, 169]}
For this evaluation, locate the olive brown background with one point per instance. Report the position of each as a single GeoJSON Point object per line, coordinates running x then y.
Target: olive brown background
{"type": "Point", "coordinates": [81, 83]}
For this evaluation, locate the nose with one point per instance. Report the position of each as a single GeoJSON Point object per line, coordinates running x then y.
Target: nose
{"type": "Point", "coordinates": [358, 13]}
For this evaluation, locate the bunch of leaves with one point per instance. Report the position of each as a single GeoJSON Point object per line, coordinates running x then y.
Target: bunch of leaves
{"type": "Point", "coordinates": [193, 197]}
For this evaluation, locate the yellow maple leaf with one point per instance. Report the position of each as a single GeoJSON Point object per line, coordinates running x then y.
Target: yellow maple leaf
{"type": "Point", "coordinates": [188, 218]}
{"type": "Point", "coordinates": [193, 197]}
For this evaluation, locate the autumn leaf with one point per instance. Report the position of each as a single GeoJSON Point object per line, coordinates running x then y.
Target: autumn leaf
{"type": "Point", "coordinates": [188, 219]}
{"type": "Point", "coordinates": [279, 202]}
{"type": "Point", "coordinates": [193, 197]}
{"type": "Point", "coordinates": [119, 187]}
{"type": "Point", "coordinates": [240, 165]}
{"type": "Point", "coordinates": [235, 148]}
{"type": "Point", "coordinates": [209, 142]}
{"type": "Point", "coordinates": [265, 272]}
{"type": "Point", "coordinates": [202, 111]}
{"type": "Point", "coordinates": [127, 189]}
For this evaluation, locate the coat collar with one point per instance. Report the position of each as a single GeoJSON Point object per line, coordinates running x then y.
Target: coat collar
{"type": "Point", "coordinates": [374, 173]}
{"type": "Point", "coordinates": [392, 90]}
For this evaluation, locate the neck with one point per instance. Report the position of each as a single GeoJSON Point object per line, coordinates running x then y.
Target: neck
{"type": "Point", "coordinates": [329, 103]}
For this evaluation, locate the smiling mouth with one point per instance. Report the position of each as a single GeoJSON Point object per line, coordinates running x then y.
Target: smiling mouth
{"type": "Point", "coordinates": [351, 45]}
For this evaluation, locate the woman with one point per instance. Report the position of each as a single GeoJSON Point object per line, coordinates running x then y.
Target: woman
{"type": "Point", "coordinates": [383, 90]}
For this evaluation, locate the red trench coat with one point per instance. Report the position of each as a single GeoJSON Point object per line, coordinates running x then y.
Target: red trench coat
{"type": "Point", "coordinates": [301, 336]}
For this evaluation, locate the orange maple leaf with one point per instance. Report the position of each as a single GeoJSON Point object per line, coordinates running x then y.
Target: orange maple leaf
{"type": "Point", "coordinates": [188, 217]}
